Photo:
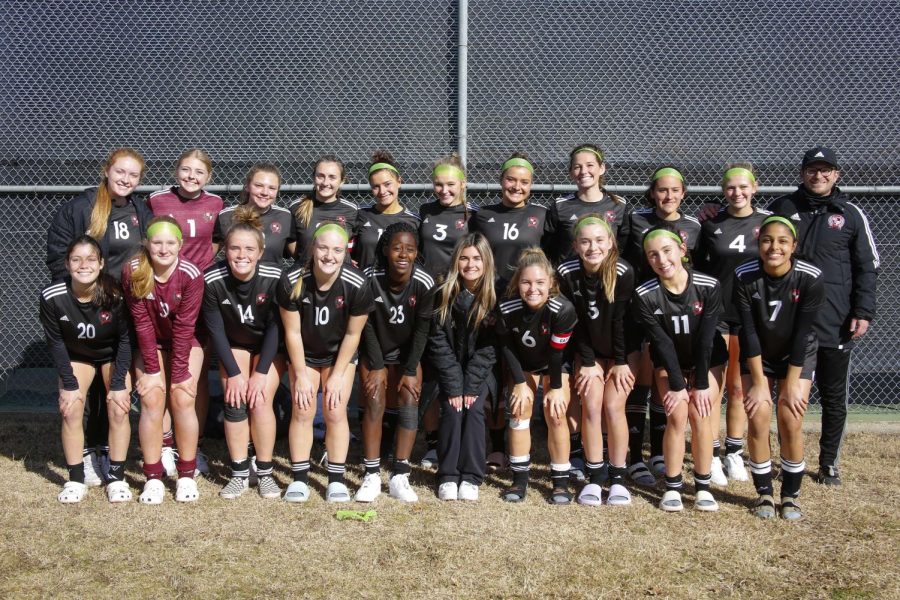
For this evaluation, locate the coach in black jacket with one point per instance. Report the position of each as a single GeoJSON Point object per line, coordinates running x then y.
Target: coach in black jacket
{"type": "Point", "coordinates": [835, 236]}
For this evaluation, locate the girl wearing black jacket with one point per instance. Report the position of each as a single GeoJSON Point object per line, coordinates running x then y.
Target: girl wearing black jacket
{"type": "Point", "coordinates": [463, 353]}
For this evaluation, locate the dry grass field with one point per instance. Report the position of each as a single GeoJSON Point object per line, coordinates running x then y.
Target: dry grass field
{"type": "Point", "coordinates": [847, 547]}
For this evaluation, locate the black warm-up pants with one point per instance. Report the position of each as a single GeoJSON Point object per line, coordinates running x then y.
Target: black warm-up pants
{"type": "Point", "coordinates": [461, 444]}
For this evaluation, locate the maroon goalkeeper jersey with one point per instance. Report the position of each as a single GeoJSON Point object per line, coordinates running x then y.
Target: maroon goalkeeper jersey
{"type": "Point", "coordinates": [196, 217]}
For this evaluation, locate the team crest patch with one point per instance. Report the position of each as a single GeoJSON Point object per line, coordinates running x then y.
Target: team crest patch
{"type": "Point", "coordinates": [756, 232]}
{"type": "Point", "coordinates": [460, 223]}
{"type": "Point", "coordinates": [261, 299]}
{"type": "Point", "coordinates": [532, 221]}
{"type": "Point", "coordinates": [610, 216]}
{"type": "Point", "coordinates": [544, 329]}
{"type": "Point", "coordinates": [342, 219]}
{"type": "Point", "coordinates": [697, 307]}
{"type": "Point", "coordinates": [105, 317]}
{"type": "Point", "coordinates": [134, 220]}
{"type": "Point", "coordinates": [412, 300]}
{"type": "Point", "coordinates": [339, 302]}
{"type": "Point", "coordinates": [177, 296]}
{"type": "Point", "coordinates": [836, 221]}
{"type": "Point", "coordinates": [208, 216]}
{"type": "Point", "coordinates": [795, 295]}
{"type": "Point", "coordinates": [275, 227]}
{"type": "Point", "coordinates": [684, 235]}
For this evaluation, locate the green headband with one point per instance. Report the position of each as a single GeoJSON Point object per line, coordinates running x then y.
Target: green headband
{"type": "Point", "coordinates": [662, 233]}
{"type": "Point", "coordinates": [450, 170]}
{"type": "Point", "coordinates": [738, 171]}
{"type": "Point", "coordinates": [517, 162]}
{"type": "Point", "coordinates": [591, 150]}
{"type": "Point", "coordinates": [585, 221]}
{"type": "Point", "coordinates": [164, 227]}
{"type": "Point", "coordinates": [380, 166]}
{"type": "Point", "coordinates": [665, 171]}
{"type": "Point", "coordinates": [783, 221]}
{"type": "Point", "coordinates": [332, 227]}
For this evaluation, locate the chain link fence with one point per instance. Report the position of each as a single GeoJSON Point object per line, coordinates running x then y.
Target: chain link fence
{"type": "Point", "coordinates": [694, 83]}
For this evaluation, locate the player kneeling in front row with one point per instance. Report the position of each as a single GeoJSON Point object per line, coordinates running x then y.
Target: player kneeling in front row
{"type": "Point", "coordinates": [777, 297]}
{"type": "Point", "coordinates": [679, 309]}
{"type": "Point", "coordinates": [85, 322]}
{"type": "Point", "coordinates": [242, 318]}
{"type": "Point", "coordinates": [165, 293]}
{"type": "Point", "coordinates": [534, 327]}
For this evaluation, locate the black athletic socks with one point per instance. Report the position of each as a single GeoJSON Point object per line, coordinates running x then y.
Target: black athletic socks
{"type": "Point", "coordinates": [595, 472]}
{"type": "Point", "coordinates": [762, 477]}
{"type": "Point", "coordinates": [264, 467]}
{"type": "Point", "coordinates": [76, 472]}
{"type": "Point", "coordinates": [240, 468]}
{"type": "Point", "coordinates": [657, 429]}
{"type": "Point", "coordinates": [401, 467]}
{"type": "Point", "coordinates": [617, 474]}
{"type": "Point", "coordinates": [576, 450]}
{"type": "Point", "coordinates": [300, 471]}
{"type": "Point", "coordinates": [116, 470]}
{"type": "Point", "coordinates": [791, 477]}
{"type": "Point", "coordinates": [335, 472]}
{"type": "Point", "coordinates": [733, 445]}
{"type": "Point", "coordinates": [701, 482]}
{"type": "Point", "coordinates": [373, 465]}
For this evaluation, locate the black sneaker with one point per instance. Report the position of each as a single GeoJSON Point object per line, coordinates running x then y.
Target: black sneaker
{"type": "Point", "coordinates": [829, 475]}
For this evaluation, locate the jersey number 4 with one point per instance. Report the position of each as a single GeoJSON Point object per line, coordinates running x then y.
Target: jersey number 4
{"type": "Point", "coordinates": [738, 244]}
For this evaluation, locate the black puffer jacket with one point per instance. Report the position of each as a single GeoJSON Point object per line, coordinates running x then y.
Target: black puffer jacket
{"type": "Point", "coordinates": [836, 237]}
{"type": "Point", "coordinates": [72, 219]}
{"type": "Point", "coordinates": [464, 359]}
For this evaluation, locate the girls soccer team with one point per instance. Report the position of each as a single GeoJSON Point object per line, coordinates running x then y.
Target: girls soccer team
{"type": "Point", "coordinates": [456, 319]}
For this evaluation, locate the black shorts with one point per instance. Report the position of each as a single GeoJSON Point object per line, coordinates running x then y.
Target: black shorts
{"type": "Point", "coordinates": [717, 358]}
{"type": "Point", "coordinates": [328, 361]}
{"type": "Point", "coordinates": [777, 369]}
{"type": "Point", "coordinates": [726, 328]}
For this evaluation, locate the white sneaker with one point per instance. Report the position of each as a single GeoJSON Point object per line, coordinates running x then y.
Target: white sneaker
{"type": "Point", "coordinates": [716, 474]}
{"type": "Point", "coordinates": [734, 467]}
{"type": "Point", "coordinates": [430, 460]}
{"type": "Point", "coordinates": [73, 492]}
{"type": "Point", "coordinates": [202, 467]}
{"type": "Point", "coordinates": [468, 491]}
{"type": "Point", "coordinates": [370, 488]}
{"type": "Point", "coordinates": [400, 489]}
{"type": "Point", "coordinates": [658, 466]}
{"type": "Point", "coordinates": [167, 458]}
{"type": "Point", "coordinates": [92, 477]}
{"type": "Point", "coordinates": [235, 487]}
{"type": "Point", "coordinates": [186, 490]}
{"type": "Point", "coordinates": [448, 491]}
{"type": "Point", "coordinates": [118, 491]}
{"type": "Point", "coordinates": [154, 492]}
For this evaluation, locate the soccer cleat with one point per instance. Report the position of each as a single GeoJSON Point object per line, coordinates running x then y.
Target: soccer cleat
{"type": "Point", "coordinates": [337, 492]}
{"type": "Point", "coordinates": [186, 490]}
{"type": "Point", "coordinates": [399, 489]}
{"type": "Point", "coordinates": [202, 464]}
{"type": "Point", "coordinates": [92, 470]}
{"type": "Point", "coordinates": [268, 487]}
{"type": "Point", "coordinates": [716, 474]}
{"type": "Point", "coordinates": [448, 491]}
{"type": "Point", "coordinates": [117, 491]}
{"type": "Point", "coordinates": [234, 488]}
{"type": "Point", "coordinates": [658, 466]}
{"type": "Point", "coordinates": [829, 475]}
{"type": "Point", "coordinates": [641, 475]}
{"type": "Point", "coordinates": [790, 510]}
{"type": "Point", "coordinates": [167, 458]}
{"type": "Point", "coordinates": [734, 467]}
{"type": "Point", "coordinates": [154, 492]}
{"type": "Point", "coordinates": [618, 495]}
{"type": "Point", "coordinates": [370, 488]}
{"type": "Point", "coordinates": [430, 460]}
{"type": "Point", "coordinates": [576, 468]}
{"type": "Point", "coordinates": [671, 501]}
{"type": "Point", "coordinates": [705, 502]}
{"type": "Point", "coordinates": [591, 495]}
{"type": "Point", "coordinates": [73, 492]}
{"type": "Point", "coordinates": [297, 491]}
{"type": "Point", "coordinates": [468, 491]}
{"type": "Point", "coordinates": [764, 507]}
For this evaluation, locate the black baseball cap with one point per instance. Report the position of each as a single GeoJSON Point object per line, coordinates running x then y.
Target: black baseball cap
{"type": "Point", "coordinates": [820, 154]}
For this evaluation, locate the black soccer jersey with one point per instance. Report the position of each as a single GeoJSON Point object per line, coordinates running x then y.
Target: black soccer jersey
{"type": "Point", "coordinates": [324, 315]}
{"type": "Point", "coordinates": [439, 230]}
{"type": "Point", "coordinates": [682, 327]}
{"type": "Point", "coordinates": [642, 221]}
{"type": "Point", "coordinates": [277, 228]}
{"type": "Point", "coordinates": [84, 332]}
{"type": "Point", "coordinates": [602, 331]}
{"type": "Point", "coordinates": [242, 314]}
{"type": "Point", "coordinates": [536, 340]}
{"type": "Point", "coordinates": [339, 211]}
{"type": "Point", "coordinates": [509, 231]}
{"type": "Point", "coordinates": [726, 242]}
{"type": "Point", "coordinates": [370, 224]}
{"type": "Point", "coordinates": [125, 238]}
{"type": "Point", "coordinates": [566, 211]}
{"type": "Point", "coordinates": [777, 313]}
{"type": "Point", "coordinates": [397, 329]}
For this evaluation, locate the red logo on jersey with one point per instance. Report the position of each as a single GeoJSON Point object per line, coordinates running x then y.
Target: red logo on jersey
{"type": "Point", "coordinates": [684, 235]}
{"type": "Point", "coordinates": [532, 222]}
{"type": "Point", "coordinates": [836, 221]}
{"type": "Point", "coordinates": [756, 232]}
{"type": "Point", "coordinates": [261, 299]}
{"type": "Point", "coordinates": [275, 227]}
{"type": "Point", "coordinates": [544, 329]}
{"type": "Point", "coordinates": [610, 216]}
{"type": "Point", "coordinates": [697, 307]}
{"type": "Point", "coordinates": [795, 295]}
{"type": "Point", "coordinates": [105, 317]}
{"type": "Point", "coordinates": [134, 220]}
{"type": "Point", "coordinates": [339, 302]}
{"type": "Point", "coordinates": [460, 223]}
{"type": "Point", "coordinates": [412, 300]}
{"type": "Point", "coordinates": [208, 217]}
